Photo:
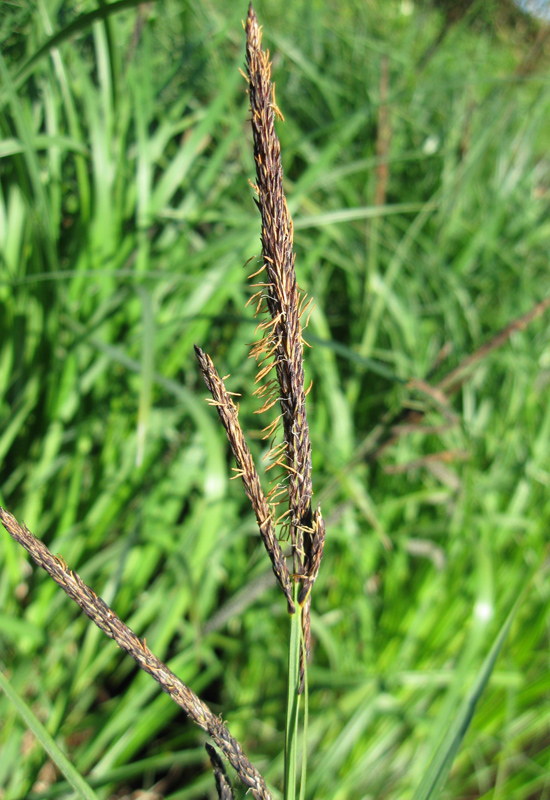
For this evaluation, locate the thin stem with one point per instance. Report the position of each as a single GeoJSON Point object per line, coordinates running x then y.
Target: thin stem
{"type": "Point", "coordinates": [293, 701]}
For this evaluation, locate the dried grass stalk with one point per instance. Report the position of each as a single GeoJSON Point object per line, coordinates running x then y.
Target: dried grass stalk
{"type": "Point", "coordinates": [105, 619]}
{"type": "Point", "coordinates": [229, 416]}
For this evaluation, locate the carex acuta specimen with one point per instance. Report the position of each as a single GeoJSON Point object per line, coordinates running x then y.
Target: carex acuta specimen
{"type": "Point", "coordinates": [280, 350]}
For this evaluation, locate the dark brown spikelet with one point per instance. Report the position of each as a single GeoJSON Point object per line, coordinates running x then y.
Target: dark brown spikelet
{"type": "Point", "coordinates": [282, 344]}
{"type": "Point", "coordinates": [314, 541]}
{"type": "Point", "coordinates": [106, 619]}
{"type": "Point", "coordinates": [245, 468]}
{"type": "Point", "coordinates": [223, 787]}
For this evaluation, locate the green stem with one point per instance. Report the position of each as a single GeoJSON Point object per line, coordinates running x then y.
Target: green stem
{"type": "Point", "coordinates": [293, 701]}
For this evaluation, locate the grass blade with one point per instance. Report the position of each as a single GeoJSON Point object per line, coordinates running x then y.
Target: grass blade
{"type": "Point", "coordinates": [440, 766]}
{"type": "Point", "coordinates": [52, 749]}
{"type": "Point", "coordinates": [147, 364]}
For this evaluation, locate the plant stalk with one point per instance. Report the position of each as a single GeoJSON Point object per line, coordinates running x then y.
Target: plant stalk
{"type": "Point", "coordinates": [293, 700]}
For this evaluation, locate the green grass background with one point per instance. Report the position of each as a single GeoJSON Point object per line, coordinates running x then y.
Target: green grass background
{"type": "Point", "coordinates": [126, 220]}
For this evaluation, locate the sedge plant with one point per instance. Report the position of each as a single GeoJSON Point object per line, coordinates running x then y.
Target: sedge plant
{"type": "Point", "coordinates": [279, 353]}
{"type": "Point", "coordinates": [290, 523]}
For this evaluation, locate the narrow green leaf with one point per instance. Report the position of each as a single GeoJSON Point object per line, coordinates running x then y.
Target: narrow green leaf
{"type": "Point", "coordinates": [52, 749]}
{"type": "Point", "coordinates": [81, 23]}
{"type": "Point", "coordinates": [440, 766]}
{"type": "Point", "coordinates": [367, 212]}
{"type": "Point", "coordinates": [146, 372]}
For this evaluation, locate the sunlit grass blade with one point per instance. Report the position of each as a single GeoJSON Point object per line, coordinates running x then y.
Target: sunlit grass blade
{"type": "Point", "coordinates": [442, 762]}
{"type": "Point", "coordinates": [81, 23]}
{"type": "Point", "coordinates": [146, 374]}
{"type": "Point", "coordinates": [368, 212]}
{"type": "Point", "coordinates": [52, 749]}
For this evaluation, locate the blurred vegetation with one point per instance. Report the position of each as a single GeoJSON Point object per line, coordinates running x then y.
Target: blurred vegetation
{"type": "Point", "coordinates": [415, 150]}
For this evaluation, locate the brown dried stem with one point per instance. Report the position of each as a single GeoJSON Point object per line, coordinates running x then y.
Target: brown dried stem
{"type": "Point", "coordinates": [98, 611]}
{"type": "Point", "coordinates": [406, 421]}
{"type": "Point", "coordinates": [246, 469]}
{"type": "Point", "coordinates": [395, 425]}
